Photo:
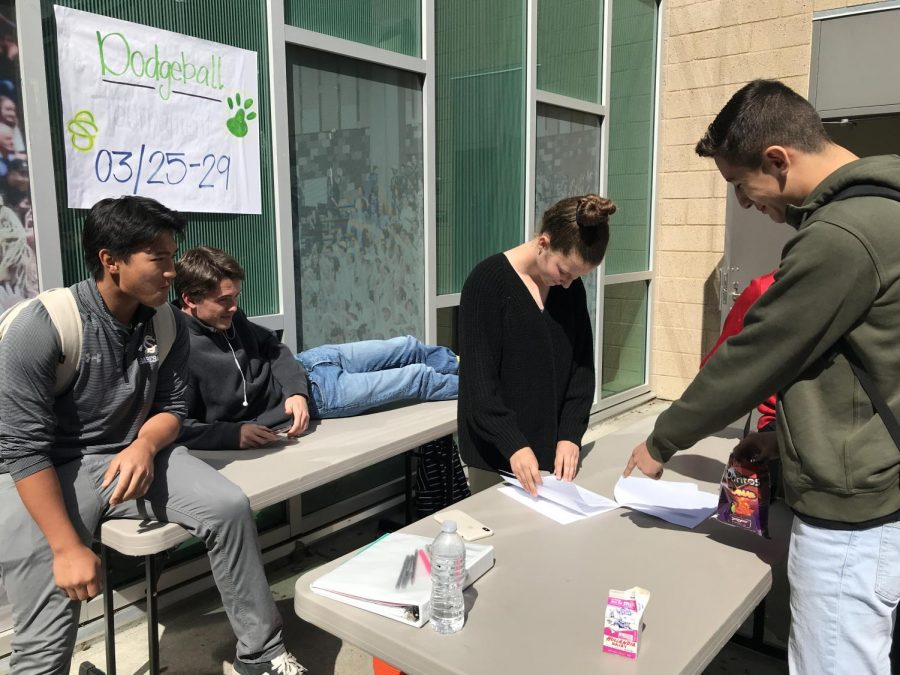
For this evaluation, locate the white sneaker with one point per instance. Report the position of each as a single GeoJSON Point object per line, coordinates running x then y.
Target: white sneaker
{"type": "Point", "coordinates": [284, 664]}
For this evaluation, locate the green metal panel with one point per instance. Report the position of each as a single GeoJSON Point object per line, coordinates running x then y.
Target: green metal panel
{"type": "Point", "coordinates": [569, 45]}
{"type": "Point", "coordinates": [480, 104]}
{"type": "Point", "coordinates": [389, 24]}
{"type": "Point", "coordinates": [631, 120]}
{"type": "Point", "coordinates": [250, 238]}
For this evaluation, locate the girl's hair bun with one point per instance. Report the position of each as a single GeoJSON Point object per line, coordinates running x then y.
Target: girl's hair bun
{"type": "Point", "coordinates": [593, 211]}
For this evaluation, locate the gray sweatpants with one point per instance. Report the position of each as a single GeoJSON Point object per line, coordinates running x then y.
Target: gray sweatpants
{"type": "Point", "coordinates": [186, 491]}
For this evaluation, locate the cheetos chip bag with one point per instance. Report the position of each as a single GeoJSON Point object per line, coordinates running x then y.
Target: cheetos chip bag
{"type": "Point", "coordinates": [744, 496]}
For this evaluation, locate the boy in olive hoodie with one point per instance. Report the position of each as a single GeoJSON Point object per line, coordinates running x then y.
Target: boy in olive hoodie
{"type": "Point", "coordinates": [839, 277]}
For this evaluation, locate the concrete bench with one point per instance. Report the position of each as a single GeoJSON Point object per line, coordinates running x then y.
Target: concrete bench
{"type": "Point", "coordinates": [331, 450]}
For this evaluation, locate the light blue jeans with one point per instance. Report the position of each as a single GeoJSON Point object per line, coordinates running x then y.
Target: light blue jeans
{"type": "Point", "coordinates": [845, 586]}
{"type": "Point", "coordinates": [351, 378]}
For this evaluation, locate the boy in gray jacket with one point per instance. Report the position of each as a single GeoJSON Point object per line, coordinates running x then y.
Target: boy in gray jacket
{"type": "Point", "coordinates": [103, 448]}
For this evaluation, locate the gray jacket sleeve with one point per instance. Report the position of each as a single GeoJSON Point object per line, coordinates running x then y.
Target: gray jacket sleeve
{"type": "Point", "coordinates": [29, 353]}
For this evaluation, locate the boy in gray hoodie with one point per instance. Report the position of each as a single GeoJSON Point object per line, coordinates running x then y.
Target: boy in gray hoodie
{"type": "Point", "coordinates": [104, 448]}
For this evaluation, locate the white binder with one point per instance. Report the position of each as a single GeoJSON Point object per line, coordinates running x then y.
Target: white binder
{"type": "Point", "coordinates": [368, 579]}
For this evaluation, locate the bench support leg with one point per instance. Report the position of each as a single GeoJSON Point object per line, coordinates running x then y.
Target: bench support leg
{"type": "Point", "coordinates": [408, 458]}
{"type": "Point", "coordinates": [108, 612]}
{"type": "Point", "coordinates": [151, 564]}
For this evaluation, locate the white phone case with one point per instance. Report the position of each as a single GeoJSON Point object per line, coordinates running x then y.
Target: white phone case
{"type": "Point", "coordinates": [468, 528]}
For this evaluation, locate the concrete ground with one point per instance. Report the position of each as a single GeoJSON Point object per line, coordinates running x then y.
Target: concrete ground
{"type": "Point", "coordinates": [196, 639]}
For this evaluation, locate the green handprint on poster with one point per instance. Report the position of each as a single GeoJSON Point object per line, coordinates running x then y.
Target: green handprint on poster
{"type": "Point", "coordinates": [237, 124]}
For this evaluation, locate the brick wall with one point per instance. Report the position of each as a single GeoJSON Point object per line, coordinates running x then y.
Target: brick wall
{"type": "Point", "coordinates": [710, 49]}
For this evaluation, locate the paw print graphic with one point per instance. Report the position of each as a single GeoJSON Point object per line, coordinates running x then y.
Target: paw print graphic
{"type": "Point", "coordinates": [237, 124]}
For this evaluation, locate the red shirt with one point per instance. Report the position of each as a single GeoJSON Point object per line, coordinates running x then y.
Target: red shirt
{"type": "Point", "coordinates": [734, 324]}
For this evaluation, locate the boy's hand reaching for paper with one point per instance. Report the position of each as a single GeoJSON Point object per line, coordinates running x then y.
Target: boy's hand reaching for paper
{"type": "Point", "coordinates": [643, 460]}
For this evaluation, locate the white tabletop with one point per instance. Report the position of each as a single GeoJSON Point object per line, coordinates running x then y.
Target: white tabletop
{"type": "Point", "coordinates": [541, 608]}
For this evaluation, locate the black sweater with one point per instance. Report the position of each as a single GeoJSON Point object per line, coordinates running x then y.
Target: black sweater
{"type": "Point", "coordinates": [215, 391]}
{"type": "Point", "coordinates": [526, 377]}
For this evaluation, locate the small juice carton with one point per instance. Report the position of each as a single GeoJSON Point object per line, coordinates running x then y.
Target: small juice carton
{"type": "Point", "coordinates": [622, 629]}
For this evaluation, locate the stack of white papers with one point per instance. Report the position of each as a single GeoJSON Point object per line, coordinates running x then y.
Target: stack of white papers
{"type": "Point", "coordinates": [565, 502]}
{"type": "Point", "coordinates": [679, 503]}
{"type": "Point", "coordinates": [562, 501]}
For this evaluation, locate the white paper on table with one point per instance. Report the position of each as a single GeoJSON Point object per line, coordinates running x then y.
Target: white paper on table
{"type": "Point", "coordinates": [560, 514]}
{"type": "Point", "coordinates": [679, 503]}
{"type": "Point", "coordinates": [563, 501]}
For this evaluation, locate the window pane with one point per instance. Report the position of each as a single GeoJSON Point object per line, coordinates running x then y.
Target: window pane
{"type": "Point", "coordinates": [357, 196]}
{"type": "Point", "coordinates": [631, 117]}
{"type": "Point", "coordinates": [590, 288]}
{"type": "Point", "coordinates": [567, 156]}
{"type": "Point", "coordinates": [480, 133]}
{"type": "Point", "coordinates": [624, 337]}
{"type": "Point", "coordinates": [388, 24]}
{"type": "Point", "coordinates": [569, 37]}
{"type": "Point", "coordinates": [448, 328]}
{"type": "Point", "coordinates": [567, 163]}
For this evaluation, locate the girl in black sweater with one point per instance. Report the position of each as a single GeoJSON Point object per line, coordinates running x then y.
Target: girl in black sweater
{"type": "Point", "coordinates": [527, 369]}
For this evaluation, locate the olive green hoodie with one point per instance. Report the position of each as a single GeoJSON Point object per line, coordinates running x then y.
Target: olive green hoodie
{"type": "Point", "coordinates": [839, 275]}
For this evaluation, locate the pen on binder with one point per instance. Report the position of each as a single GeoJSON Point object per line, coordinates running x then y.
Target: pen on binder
{"type": "Point", "coordinates": [402, 576]}
{"type": "Point", "coordinates": [407, 572]}
{"type": "Point", "coordinates": [425, 561]}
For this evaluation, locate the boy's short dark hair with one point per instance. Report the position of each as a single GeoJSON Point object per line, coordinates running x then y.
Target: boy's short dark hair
{"type": "Point", "coordinates": [124, 226]}
{"type": "Point", "coordinates": [761, 114]}
{"type": "Point", "coordinates": [200, 270]}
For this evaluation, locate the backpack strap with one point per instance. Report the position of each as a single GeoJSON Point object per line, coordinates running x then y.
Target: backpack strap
{"type": "Point", "coordinates": [66, 319]}
{"type": "Point", "coordinates": [868, 384]}
{"type": "Point", "coordinates": [9, 315]}
{"type": "Point", "coordinates": [867, 191]}
{"type": "Point", "coordinates": [164, 327]}
{"type": "Point", "coordinates": [63, 311]}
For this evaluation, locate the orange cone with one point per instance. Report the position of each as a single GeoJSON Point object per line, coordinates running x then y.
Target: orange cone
{"type": "Point", "coordinates": [382, 668]}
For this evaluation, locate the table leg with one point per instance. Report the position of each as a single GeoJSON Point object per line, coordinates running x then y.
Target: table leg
{"type": "Point", "coordinates": [151, 563]}
{"type": "Point", "coordinates": [108, 612]}
{"type": "Point", "coordinates": [410, 515]}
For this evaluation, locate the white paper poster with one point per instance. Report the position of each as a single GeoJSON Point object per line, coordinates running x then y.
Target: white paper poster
{"type": "Point", "coordinates": [158, 114]}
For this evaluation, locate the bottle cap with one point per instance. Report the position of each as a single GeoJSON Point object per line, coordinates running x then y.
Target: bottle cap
{"type": "Point", "coordinates": [448, 526]}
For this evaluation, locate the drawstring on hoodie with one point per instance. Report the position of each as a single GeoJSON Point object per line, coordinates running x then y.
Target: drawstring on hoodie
{"type": "Point", "coordinates": [236, 363]}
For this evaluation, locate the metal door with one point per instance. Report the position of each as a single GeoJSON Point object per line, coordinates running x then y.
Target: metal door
{"type": "Point", "coordinates": [753, 244]}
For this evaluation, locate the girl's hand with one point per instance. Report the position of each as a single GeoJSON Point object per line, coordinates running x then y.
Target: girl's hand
{"type": "Point", "coordinates": [525, 466]}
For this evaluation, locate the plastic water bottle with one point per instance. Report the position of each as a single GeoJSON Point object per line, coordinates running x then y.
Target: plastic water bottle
{"type": "Point", "coordinates": [448, 573]}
